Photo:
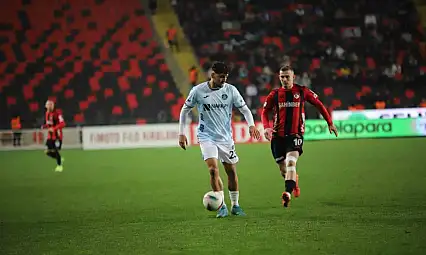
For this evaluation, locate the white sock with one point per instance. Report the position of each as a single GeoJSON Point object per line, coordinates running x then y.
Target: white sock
{"type": "Point", "coordinates": [223, 196]}
{"type": "Point", "coordinates": [233, 195]}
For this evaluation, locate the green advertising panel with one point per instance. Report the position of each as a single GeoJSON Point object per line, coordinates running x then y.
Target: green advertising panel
{"type": "Point", "coordinates": [352, 129]}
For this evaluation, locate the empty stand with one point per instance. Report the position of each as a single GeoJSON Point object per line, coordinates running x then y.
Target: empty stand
{"type": "Point", "coordinates": [97, 59]}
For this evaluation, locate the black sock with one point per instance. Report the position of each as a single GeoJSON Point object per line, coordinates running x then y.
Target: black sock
{"type": "Point", "coordinates": [58, 158]}
{"type": "Point", "coordinates": [289, 186]}
{"type": "Point", "coordinates": [51, 154]}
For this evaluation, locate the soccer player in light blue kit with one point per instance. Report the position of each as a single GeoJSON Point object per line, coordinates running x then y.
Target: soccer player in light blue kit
{"type": "Point", "coordinates": [214, 100]}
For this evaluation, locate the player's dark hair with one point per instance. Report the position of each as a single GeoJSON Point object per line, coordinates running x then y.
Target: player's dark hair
{"type": "Point", "coordinates": [220, 67]}
{"type": "Point", "coordinates": [286, 68]}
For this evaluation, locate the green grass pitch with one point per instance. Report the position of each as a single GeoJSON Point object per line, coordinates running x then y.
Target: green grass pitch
{"type": "Point", "coordinates": [358, 197]}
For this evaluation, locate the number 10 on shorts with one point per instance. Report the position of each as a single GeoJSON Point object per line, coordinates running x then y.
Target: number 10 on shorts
{"type": "Point", "coordinates": [297, 141]}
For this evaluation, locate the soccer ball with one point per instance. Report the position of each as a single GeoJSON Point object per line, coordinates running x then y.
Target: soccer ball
{"type": "Point", "coordinates": [212, 201]}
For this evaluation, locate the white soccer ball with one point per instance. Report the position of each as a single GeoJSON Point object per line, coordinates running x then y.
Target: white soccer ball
{"type": "Point", "coordinates": [212, 201]}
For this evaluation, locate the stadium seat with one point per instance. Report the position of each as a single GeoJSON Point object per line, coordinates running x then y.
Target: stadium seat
{"type": "Point", "coordinates": [69, 94]}
{"type": "Point", "coordinates": [34, 107]}
{"type": "Point", "coordinates": [108, 92]}
{"type": "Point", "coordinates": [147, 91]}
{"type": "Point", "coordinates": [132, 102]}
{"type": "Point", "coordinates": [150, 79]}
{"type": "Point", "coordinates": [117, 110]}
{"type": "Point", "coordinates": [328, 91]}
{"type": "Point", "coordinates": [84, 105]}
{"type": "Point", "coordinates": [163, 85]}
{"type": "Point", "coordinates": [78, 118]}
{"type": "Point", "coordinates": [123, 83]}
{"type": "Point", "coordinates": [169, 97]}
{"type": "Point", "coordinates": [409, 93]}
{"type": "Point", "coordinates": [11, 101]}
{"type": "Point", "coordinates": [140, 121]}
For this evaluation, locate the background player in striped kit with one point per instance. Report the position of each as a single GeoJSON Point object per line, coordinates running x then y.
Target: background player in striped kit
{"type": "Point", "coordinates": [54, 124]}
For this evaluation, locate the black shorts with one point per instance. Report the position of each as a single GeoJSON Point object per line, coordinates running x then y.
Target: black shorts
{"type": "Point", "coordinates": [280, 146]}
{"type": "Point", "coordinates": [53, 144]}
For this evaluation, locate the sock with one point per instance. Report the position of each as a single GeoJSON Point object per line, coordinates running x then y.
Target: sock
{"type": "Point", "coordinates": [233, 195]}
{"type": "Point", "coordinates": [58, 158]}
{"type": "Point", "coordinates": [289, 186]}
{"type": "Point", "coordinates": [223, 195]}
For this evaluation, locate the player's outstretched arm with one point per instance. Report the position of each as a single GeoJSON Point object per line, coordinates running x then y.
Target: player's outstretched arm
{"type": "Point", "coordinates": [183, 140]}
{"type": "Point", "coordinates": [190, 102]}
{"type": "Point", "coordinates": [312, 98]}
{"type": "Point", "coordinates": [254, 132]}
{"type": "Point", "coordinates": [267, 108]}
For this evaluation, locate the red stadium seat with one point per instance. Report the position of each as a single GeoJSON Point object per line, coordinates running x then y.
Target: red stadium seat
{"type": "Point", "coordinates": [84, 105]}
{"type": "Point", "coordinates": [152, 62]}
{"type": "Point", "coordinates": [108, 92]}
{"type": "Point", "coordinates": [123, 83]}
{"type": "Point", "coordinates": [336, 103]}
{"type": "Point", "coordinates": [132, 102]}
{"type": "Point", "coordinates": [79, 118]}
{"type": "Point", "coordinates": [294, 40]}
{"type": "Point", "coordinates": [164, 68]}
{"type": "Point", "coordinates": [169, 97]}
{"type": "Point", "coordinates": [366, 90]}
{"type": "Point", "coordinates": [69, 93]}
{"type": "Point", "coordinates": [147, 92]}
{"type": "Point", "coordinates": [34, 107]}
{"type": "Point", "coordinates": [141, 121]}
{"type": "Point", "coordinates": [117, 110]}
{"type": "Point", "coordinates": [11, 101]}
{"type": "Point", "coordinates": [371, 63]}
{"type": "Point", "coordinates": [163, 85]}
{"type": "Point", "coordinates": [328, 91]}
{"type": "Point", "coordinates": [409, 93]}
{"type": "Point", "coordinates": [316, 63]}
{"type": "Point", "coordinates": [91, 99]}
{"type": "Point", "coordinates": [21, 68]}
{"type": "Point", "coordinates": [28, 92]}
{"type": "Point", "coordinates": [94, 84]}
{"type": "Point", "coordinates": [151, 79]}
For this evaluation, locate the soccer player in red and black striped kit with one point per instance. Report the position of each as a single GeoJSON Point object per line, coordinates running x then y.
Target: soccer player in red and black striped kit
{"type": "Point", "coordinates": [287, 104]}
{"type": "Point", "coordinates": [54, 124]}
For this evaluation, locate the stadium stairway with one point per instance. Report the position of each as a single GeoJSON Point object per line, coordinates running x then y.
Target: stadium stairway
{"type": "Point", "coordinates": [186, 57]}
{"type": "Point", "coordinates": [421, 9]}
{"type": "Point", "coordinates": [178, 76]}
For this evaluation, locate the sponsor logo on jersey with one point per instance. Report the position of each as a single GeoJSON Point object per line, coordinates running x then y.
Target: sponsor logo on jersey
{"type": "Point", "coordinates": [209, 107]}
{"type": "Point", "coordinates": [289, 104]}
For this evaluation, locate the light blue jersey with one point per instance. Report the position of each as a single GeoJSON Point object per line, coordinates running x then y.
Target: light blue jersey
{"type": "Point", "coordinates": [215, 111]}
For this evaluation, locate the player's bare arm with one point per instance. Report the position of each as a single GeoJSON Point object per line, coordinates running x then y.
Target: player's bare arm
{"type": "Point", "coordinates": [254, 132]}
{"type": "Point", "coordinates": [183, 140]}
{"type": "Point", "coordinates": [267, 108]}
